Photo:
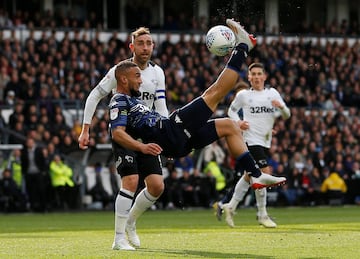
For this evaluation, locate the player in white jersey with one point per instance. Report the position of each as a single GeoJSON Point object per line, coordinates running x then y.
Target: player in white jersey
{"type": "Point", "coordinates": [152, 93]}
{"type": "Point", "coordinates": [260, 107]}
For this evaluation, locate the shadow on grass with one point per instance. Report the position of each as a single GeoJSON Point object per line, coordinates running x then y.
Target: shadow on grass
{"type": "Point", "coordinates": [200, 254]}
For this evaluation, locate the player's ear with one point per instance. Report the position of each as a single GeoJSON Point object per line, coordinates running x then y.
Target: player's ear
{"type": "Point", "coordinates": [123, 79]}
{"type": "Point", "coordinates": [131, 46]}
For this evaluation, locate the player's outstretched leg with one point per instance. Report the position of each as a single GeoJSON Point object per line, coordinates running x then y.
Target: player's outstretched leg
{"type": "Point", "coordinates": [241, 35]}
{"type": "Point", "coordinates": [266, 180]}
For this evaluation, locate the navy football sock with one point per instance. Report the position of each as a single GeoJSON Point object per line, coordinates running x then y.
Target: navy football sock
{"type": "Point", "coordinates": [247, 163]}
{"type": "Point", "coordinates": [238, 57]}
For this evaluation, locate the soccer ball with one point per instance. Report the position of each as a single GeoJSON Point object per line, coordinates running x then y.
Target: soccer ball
{"type": "Point", "coordinates": [220, 40]}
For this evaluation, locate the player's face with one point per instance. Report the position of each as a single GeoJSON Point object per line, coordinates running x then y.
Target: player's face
{"type": "Point", "coordinates": [134, 81]}
{"type": "Point", "coordinates": [257, 78]}
{"type": "Point", "coordinates": [142, 48]}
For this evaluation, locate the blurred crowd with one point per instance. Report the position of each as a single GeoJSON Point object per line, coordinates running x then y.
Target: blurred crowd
{"type": "Point", "coordinates": [138, 15]}
{"type": "Point", "coordinates": [319, 82]}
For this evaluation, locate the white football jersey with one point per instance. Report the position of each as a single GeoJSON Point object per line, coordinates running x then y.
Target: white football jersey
{"type": "Point", "coordinates": [152, 90]}
{"type": "Point", "coordinates": [258, 112]}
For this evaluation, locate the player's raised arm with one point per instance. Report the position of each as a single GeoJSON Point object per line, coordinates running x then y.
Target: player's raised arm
{"type": "Point", "coordinates": [99, 92]}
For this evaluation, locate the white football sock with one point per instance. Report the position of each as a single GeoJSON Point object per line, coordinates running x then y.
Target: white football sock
{"type": "Point", "coordinates": [143, 201]}
{"type": "Point", "coordinates": [122, 207]}
{"type": "Point", "coordinates": [241, 188]}
{"type": "Point", "coordinates": [260, 195]}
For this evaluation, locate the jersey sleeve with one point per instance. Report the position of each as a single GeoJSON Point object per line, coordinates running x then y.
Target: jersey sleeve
{"type": "Point", "coordinates": [102, 89]}
{"type": "Point", "coordinates": [118, 110]}
{"type": "Point", "coordinates": [285, 111]}
{"type": "Point", "coordinates": [160, 94]}
{"type": "Point", "coordinates": [277, 96]}
{"type": "Point", "coordinates": [235, 106]}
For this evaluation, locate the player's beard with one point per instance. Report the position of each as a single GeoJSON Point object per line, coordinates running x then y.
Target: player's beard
{"type": "Point", "coordinates": [135, 93]}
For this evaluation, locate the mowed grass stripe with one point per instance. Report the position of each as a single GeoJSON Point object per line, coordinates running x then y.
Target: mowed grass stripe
{"type": "Point", "coordinates": [320, 232]}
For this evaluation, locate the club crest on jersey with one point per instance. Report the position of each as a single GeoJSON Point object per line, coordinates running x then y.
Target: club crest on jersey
{"type": "Point", "coordinates": [154, 81]}
{"type": "Point", "coordinates": [114, 112]}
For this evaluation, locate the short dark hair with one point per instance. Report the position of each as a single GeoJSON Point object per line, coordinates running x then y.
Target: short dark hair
{"type": "Point", "coordinates": [258, 65]}
{"type": "Point", "coordinates": [123, 66]}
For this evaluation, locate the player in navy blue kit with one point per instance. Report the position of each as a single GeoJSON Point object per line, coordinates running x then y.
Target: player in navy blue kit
{"type": "Point", "coordinates": [134, 126]}
{"type": "Point", "coordinates": [143, 168]}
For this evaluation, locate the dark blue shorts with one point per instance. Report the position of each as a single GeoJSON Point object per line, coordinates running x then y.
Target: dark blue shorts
{"type": "Point", "coordinates": [189, 127]}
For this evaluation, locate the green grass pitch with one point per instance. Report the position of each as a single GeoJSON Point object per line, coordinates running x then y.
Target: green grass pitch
{"type": "Point", "coordinates": [319, 232]}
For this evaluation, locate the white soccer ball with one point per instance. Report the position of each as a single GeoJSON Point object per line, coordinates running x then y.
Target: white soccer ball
{"type": "Point", "coordinates": [220, 40]}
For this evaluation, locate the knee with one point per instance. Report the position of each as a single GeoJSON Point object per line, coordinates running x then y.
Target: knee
{"type": "Point", "coordinates": [156, 188]}
{"type": "Point", "coordinates": [130, 182]}
{"type": "Point", "coordinates": [233, 126]}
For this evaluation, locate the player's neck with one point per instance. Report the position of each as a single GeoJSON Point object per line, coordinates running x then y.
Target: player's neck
{"type": "Point", "coordinates": [258, 88]}
{"type": "Point", "coordinates": [142, 65]}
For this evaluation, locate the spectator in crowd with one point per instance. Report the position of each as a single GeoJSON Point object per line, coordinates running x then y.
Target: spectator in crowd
{"type": "Point", "coordinates": [12, 199]}
{"type": "Point", "coordinates": [15, 166]}
{"type": "Point", "coordinates": [17, 112]}
{"type": "Point", "coordinates": [10, 98]}
{"type": "Point", "coordinates": [292, 190]}
{"type": "Point", "coordinates": [214, 152]}
{"type": "Point", "coordinates": [212, 170]}
{"type": "Point", "coordinates": [19, 132]}
{"type": "Point", "coordinates": [214, 165]}
{"type": "Point", "coordinates": [67, 145]}
{"type": "Point", "coordinates": [172, 193]}
{"type": "Point", "coordinates": [13, 88]}
{"type": "Point", "coordinates": [355, 170]}
{"type": "Point", "coordinates": [62, 182]}
{"type": "Point", "coordinates": [4, 80]}
{"type": "Point", "coordinates": [98, 191]}
{"type": "Point", "coordinates": [313, 195]}
{"type": "Point", "coordinates": [184, 164]}
{"type": "Point", "coordinates": [205, 187]}
{"type": "Point", "coordinates": [190, 194]}
{"type": "Point", "coordinates": [35, 169]}
{"type": "Point", "coordinates": [3, 125]}
{"type": "Point", "coordinates": [334, 188]}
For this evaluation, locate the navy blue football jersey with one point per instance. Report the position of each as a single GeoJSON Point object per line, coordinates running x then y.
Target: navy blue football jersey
{"type": "Point", "coordinates": [186, 128]}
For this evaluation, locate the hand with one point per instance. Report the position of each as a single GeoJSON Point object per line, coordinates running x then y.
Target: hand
{"type": "Point", "coordinates": [84, 140]}
{"type": "Point", "coordinates": [277, 104]}
{"type": "Point", "coordinates": [151, 149]}
{"type": "Point", "coordinates": [244, 125]}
